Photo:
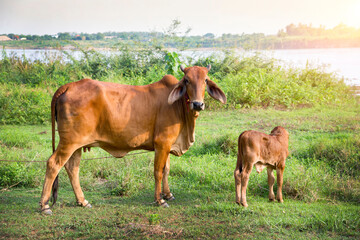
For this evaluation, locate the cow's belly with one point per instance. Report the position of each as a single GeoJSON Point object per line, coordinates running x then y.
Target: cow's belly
{"type": "Point", "coordinates": [263, 164]}
{"type": "Point", "coordinates": [114, 151]}
{"type": "Point", "coordinates": [127, 142]}
{"type": "Point", "coordinates": [121, 148]}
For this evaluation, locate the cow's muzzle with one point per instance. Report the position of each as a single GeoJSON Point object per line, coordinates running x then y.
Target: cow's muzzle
{"type": "Point", "coordinates": [197, 106]}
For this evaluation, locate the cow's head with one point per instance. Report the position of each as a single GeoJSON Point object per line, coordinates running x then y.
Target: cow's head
{"type": "Point", "coordinates": [193, 84]}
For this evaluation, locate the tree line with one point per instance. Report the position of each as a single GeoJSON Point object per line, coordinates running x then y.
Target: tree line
{"type": "Point", "coordinates": [309, 30]}
{"type": "Point", "coordinates": [292, 36]}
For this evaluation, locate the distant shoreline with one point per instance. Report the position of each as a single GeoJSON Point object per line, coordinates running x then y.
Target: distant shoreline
{"type": "Point", "coordinates": [169, 49]}
{"type": "Point", "coordinates": [266, 43]}
{"type": "Point", "coordinates": [342, 61]}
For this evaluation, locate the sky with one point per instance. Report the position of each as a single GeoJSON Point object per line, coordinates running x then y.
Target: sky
{"type": "Point", "coordinates": [202, 16]}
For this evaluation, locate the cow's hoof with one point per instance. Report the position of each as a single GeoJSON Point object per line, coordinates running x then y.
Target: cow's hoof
{"type": "Point", "coordinates": [281, 201]}
{"type": "Point", "coordinates": [244, 204]}
{"type": "Point", "coordinates": [171, 198]}
{"type": "Point", "coordinates": [46, 211]}
{"type": "Point", "coordinates": [88, 206]}
{"type": "Point", "coordinates": [271, 200]}
{"type": "Point", "coordinates": [163, 204]}
{"type": "Point", "coordinates": [84, 204]}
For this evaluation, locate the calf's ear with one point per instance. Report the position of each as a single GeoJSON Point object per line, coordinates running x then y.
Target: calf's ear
{"type": "Point", "coordinates": [215, 92]}
{"type": "Point", "coordinates": [178, 91]}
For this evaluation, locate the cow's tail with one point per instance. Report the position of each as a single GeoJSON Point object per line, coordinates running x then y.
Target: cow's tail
{"type": "Point", "coordinates": [58, 93]}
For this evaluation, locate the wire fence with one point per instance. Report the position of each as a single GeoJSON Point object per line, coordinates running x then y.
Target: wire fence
{"type": "Point", "coordinates": [85, 159]}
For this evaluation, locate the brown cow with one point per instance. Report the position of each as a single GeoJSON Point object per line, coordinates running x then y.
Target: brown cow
{"type": "Point", "coordinates": [261, 150]}
{"type": "Point", "coordinates": [118, 118]}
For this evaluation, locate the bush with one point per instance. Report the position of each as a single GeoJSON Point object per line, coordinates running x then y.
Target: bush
{"type": "Point", "coordinates": [18, 174]}
{"type": "Point", "coordinates": [270, 85]}
{"type": "Point", "coordinates": [24, 105]}
{"type": "Point", "coordinates": [248, 82]}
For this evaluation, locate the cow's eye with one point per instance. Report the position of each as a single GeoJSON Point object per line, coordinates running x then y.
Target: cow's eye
{"type": "Point", "coordinates": [206, 81]}
{"type": "Point", "coordinates": [186, 81]}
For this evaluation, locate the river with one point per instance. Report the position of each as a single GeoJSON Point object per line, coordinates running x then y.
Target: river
{"type": "Point", "coordinates": [345, 62]}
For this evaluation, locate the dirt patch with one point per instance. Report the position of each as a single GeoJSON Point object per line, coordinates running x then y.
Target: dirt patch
{"type": "Point", "coordinates": [150, 230]}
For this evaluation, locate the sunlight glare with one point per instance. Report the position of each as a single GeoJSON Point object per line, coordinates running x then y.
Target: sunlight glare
{"type": "Point", "coordinates": [353, 18]}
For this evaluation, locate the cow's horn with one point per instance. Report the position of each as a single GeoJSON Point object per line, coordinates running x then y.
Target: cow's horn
{"type": "Point", "coordinates": [182, 67]}
{"type": "Point", "coordinates": [208, 67]}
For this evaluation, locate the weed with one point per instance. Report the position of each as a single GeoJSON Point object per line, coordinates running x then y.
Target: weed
{"type": "Point", "coordinates": [154, 219]}
{"type": "Point", "coordinates": [172, 63]}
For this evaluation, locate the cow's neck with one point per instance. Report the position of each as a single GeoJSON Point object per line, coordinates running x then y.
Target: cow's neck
{"type": "Point", "coordinates": [187, 133]}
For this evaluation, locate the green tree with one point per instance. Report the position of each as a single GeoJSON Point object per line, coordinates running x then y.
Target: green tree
{"type": "Point", "coordinates": [100, 36]}
{"type": "Point", "coordinates": [209, 35]}
{"type": "Point", "coordinates": [64, 36]}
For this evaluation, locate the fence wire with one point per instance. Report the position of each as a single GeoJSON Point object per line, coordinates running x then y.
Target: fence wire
{"type": "Point", "coordinates": [85, 159]}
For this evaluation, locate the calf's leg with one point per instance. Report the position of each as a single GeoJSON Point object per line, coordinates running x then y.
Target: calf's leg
{"type": "Point", "coordinates": [244, 182]}
{"type": "Point", "coordinates": [279, 173]}
{"type": "Point", "coordinates": [72, 169]}
{"type": "Point", "coordinates": [237, 176]}
{"type": "Point", "coordinates": [271, 181]}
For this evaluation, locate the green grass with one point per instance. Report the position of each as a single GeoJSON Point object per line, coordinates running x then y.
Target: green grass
{"type": "Point", "coordinates": [190, 216]}
{"type": "Point", "coordinates": [321, 184]}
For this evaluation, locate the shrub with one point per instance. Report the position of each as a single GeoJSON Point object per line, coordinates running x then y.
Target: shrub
{"type": "Point", "coordinates": [26, 87]}
{"type": "Point", "coordinates": [24, 105]}
{"type": "Point", "coordinates": [18, 174]}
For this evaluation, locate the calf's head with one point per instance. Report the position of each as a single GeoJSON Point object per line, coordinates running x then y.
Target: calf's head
{"type": "Point", "coordinates": [193, 85]}
{"type": "Point", "coordinates": [282, 135]}
{"type": "Point", "coordinates": [280, 131]}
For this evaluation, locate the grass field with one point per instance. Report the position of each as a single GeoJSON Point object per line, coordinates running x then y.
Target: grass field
{"type": "Point", "coordinates": [321, 184]}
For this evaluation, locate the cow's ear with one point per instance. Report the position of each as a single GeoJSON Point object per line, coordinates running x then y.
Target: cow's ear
{"type": "Point", "coordinates": [215, 92]}
{"type": "Point", "coordinates": [178, 91]}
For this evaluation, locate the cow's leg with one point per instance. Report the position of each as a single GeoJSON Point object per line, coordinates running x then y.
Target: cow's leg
{"type": "Point", "coordinates": [271, 181]}
{"type": "Point", "coordinates": [167, 195]}
{"type": "Point", "coordinates": [53, 166]}
{"type": "Point", "coordinates": [161, 156]}
{"type": "Point", "coordinates": [279, 173]}
{"type": "Point", "coordinates": [244, 181]}
{"type": "Point", "coordinates": [237, 176]}
{"type": "Point", "coordinates": [72, 169]}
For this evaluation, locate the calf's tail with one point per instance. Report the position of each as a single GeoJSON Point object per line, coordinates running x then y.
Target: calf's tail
{"type": "Point", "coordinates": [239, 154]}
{"type": "Point", "coordinates": [237, 172]}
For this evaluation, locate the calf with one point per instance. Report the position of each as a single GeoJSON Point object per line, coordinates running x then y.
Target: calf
{"type": "Point", "coordinates": [261, 150]}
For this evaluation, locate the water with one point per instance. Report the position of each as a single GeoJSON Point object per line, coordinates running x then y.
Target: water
{"type": "Point", "coordinates": [41, 54]}
{"type": "Point", "coordinates": [343, 61]}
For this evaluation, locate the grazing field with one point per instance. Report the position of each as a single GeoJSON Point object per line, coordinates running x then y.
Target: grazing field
{"type": "Point", "coordinates": [321, 179]}
{"type": "Point", "coordinates": [321, 183]}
